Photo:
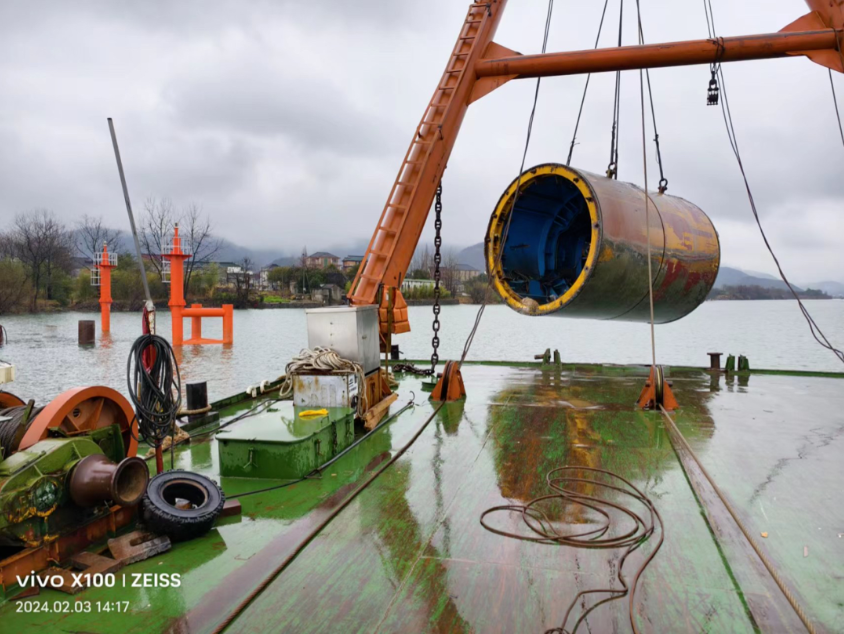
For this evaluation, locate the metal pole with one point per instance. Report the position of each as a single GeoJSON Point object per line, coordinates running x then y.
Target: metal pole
{"type": "Point", "coordinates": [150, 305]}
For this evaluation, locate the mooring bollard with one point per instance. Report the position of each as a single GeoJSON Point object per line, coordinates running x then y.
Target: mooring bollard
{"type": "Point", "coordinates": [87, 332]}
{"type": "Point", "coordinates": [715, 361]}
{"type": "Point", "coordinates": [197, 394]}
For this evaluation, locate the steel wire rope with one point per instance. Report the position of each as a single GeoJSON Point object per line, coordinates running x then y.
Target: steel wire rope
{"type": "Point", "coordinates": [505, 232]}
{"type": "Point", "coordinates": [835, 103]}
{"type": "Point", "coordinates": [10, 428]}
{"type": "Point", "coordinates": [663, 182]}
{"type": "Point", "coordinates": [606, 536]}
{"type": "Point", "coordinates": [832, 86]}
{"type": "Point", "coordinates": [675, 434]}
{"type": "Point", "coordinates": [816, 331]}
{"type": "Point", "coordinates": [603, 537]}
{"type": "Point", "coordinates": [586, 87]}
{"type": "Point", "coordinates": [647, 202]}
{"type": "Point", "coordinates": [612, 168]}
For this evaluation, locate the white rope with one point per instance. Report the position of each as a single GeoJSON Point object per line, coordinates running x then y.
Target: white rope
{"type": "Point", "coordinates": [324, 360]}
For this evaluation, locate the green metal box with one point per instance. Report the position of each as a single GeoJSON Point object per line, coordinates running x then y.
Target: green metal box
{"type": "Point", "coordinates": [282, 445]}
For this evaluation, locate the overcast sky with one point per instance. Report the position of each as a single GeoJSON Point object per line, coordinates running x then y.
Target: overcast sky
{"type": "Point", "coordinates": [287, 119]}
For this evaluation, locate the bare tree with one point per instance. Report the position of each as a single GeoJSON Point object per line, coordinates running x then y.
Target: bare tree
{"type": "Point", "coordinates": [195, 229]}
{"type": "Point", "coordinates": [13, 285]}
{"type": "Point", "coordinates": [423, 261]}
{"type": "Point", "coordinates": [156, 232]}
{"type": "Point", "coordinates": [243, 282]}
{"type": "Point", "coordinates": [303, 264]}
{"type": "Point", "coordinates": [59, 256]}
{"type": "Point", "coordinates": [91, 234]}
{"type": "Point", "coordinates": [44, 246]}
{"type": "Point", "coordinates": [450, 276]}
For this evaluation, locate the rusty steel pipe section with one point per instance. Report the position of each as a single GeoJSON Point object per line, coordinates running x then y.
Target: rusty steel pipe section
{"type": "Point", "coordinates": [577, 247]}
{"type": "Point", "coordinates": [96, 479]}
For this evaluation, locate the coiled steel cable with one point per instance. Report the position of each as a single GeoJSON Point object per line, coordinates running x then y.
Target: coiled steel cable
{"type": "Point", "coordinates": [9, 428]}
{"type": "Point", "coordinates": [606, 536]}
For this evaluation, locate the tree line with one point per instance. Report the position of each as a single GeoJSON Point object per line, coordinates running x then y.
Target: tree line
{"type": "Point", "coordinates": [39, 255]}
{"type": "Point", "coordinates": [763, 292]}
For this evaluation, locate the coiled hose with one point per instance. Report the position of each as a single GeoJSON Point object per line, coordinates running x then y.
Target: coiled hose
{"type": "Point", "coordinates": [155, 387]}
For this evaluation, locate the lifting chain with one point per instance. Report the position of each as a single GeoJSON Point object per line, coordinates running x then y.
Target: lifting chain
{"type": "Point", "coordinates": [438, 242]}
{"type": "Point", "coordinates": [435, 341]}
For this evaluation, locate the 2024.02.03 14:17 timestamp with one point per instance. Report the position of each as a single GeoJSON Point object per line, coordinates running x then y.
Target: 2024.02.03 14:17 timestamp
{"type": "Point", "coordinates": [71, 607]}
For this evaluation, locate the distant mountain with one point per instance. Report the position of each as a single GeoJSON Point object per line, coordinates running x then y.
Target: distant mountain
{"type": "Point", "coordinates": [764, 276]}
{"type": "Point", "coordinates": [836, 289]}
{"type": "Point", "coordinates": [473, 256]}
{"type": "Point", "coordinates": [727, 276]}
{"type": "Point", "coordinates": [286, 260]}
{"type": "Point", "coordinates": [736, 277]}
{"type": "Point", "coordinates": [341, 252]}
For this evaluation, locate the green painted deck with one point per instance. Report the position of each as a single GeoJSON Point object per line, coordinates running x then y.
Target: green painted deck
{"type": "Point", "coordinates": [408, 554]}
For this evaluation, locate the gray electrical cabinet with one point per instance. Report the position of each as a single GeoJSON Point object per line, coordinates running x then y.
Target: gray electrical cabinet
{"type": "Point", "coordinates": [351, 331]}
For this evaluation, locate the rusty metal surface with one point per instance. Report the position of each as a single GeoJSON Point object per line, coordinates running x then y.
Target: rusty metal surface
{"type": "Point", "coordinates": [96, 479]}
{"type": "Point", "coordinates": [728, 49]}
{"type": "Point", "coordinates": [86, 409]}
{"type": "Point", "coordinates": [613, 283]}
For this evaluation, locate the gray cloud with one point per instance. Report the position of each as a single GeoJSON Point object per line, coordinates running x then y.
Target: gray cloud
{"type": "Point", "coordinates": [287, 120]}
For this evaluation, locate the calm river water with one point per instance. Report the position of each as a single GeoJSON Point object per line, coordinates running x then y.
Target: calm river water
{"type": "Point", "coordinates": [772, 334]}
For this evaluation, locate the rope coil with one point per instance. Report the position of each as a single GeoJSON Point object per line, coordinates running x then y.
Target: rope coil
{"type": "Point", "coordinates": [324, 360]}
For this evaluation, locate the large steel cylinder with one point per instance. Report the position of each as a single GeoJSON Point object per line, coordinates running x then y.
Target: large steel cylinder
{"type": "Point", "coordinates": [576, 246]}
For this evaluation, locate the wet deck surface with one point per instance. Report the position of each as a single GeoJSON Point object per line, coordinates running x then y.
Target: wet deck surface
{"type": "Point", "coordinates": [409, 554]}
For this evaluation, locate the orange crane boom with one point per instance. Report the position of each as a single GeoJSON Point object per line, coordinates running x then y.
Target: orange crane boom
{"type": "Point", "coordinates": [477, 66]}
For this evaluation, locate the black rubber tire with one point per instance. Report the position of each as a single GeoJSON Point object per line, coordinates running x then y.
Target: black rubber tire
{"type": "Point", "coordinates": [163, 518]}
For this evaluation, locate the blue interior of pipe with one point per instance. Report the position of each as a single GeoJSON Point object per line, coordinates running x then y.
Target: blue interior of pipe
{"type": "Point", "coordinates": [548, 240]}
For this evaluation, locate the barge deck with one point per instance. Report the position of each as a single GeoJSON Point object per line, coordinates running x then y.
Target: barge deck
{"type": "Point", "coordinates": [407, 552]}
